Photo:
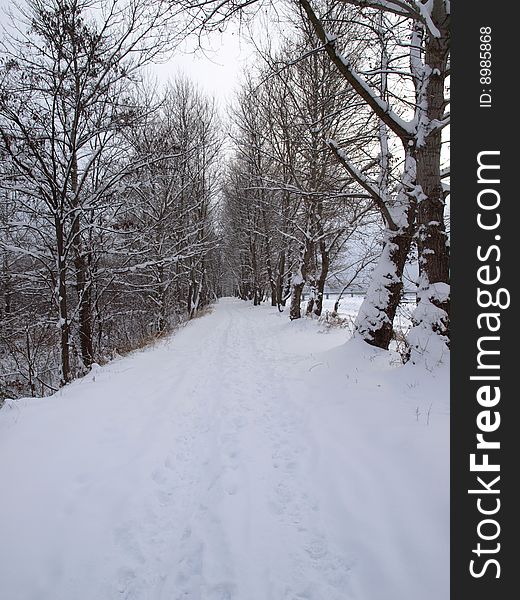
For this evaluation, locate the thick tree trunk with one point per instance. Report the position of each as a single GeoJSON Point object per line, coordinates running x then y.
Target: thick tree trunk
{"type": "Point", "coordinates": [268, 262]}
{"type": "Point", "coordinates": [287, 291]}
{"type": "Point", "coordinates": [429, 337]}
{"type": "Point", "coordinates": [431, 233]}
{"type": "Point", "coordinates": [197, 295]}
{"type": "Point", "coordinates": [310, 269]}
{"type": "Point", "coordinates": [85, 325]}
{"type": "Point", "coordinates": [256, 294]}
{"type": "Point", "coordinates": [375, 320]}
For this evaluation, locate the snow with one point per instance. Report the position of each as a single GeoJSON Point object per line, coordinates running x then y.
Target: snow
{"type": "Point", "coordinates": [425, 10]}
{"type": "Point", "coordinates": [427, 347]}
{"type": "Point", "coordinates": [246, 457]}
{"type": "Point", "coordinates": [372, 315]}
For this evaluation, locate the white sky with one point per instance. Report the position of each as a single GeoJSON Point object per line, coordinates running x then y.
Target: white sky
{"type": "Point", "coordinates": [216, 68]}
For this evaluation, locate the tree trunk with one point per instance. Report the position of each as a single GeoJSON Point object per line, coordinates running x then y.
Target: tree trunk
{"type": "Point", "coordinates": [298, 283]}
{"type": "Point", "coordinates": [312, 299]}
{"type": "Point", "coordinates": [83, 282]}
{"type": "Point", "coordinates": [270, 276]}
{"type": "Point", "coordinates": [61, 299]}
{"type": "Point", "coordinates": [324, 272]}
{"type": "Point", "coordinates": [279, 280]}
{"type": "Point", "coordinates": [311, 278]}
{"type": "Point", "coordinates": [375, 320]}
{"type": "Point", "coordinates": [195, 292]}
{"type": "Point", "coordinates": [287, 292]}
{"type": "Point", "coordinates": [429, 337]}
{"type": "Point", "coordinates": [161, 321]}
{"type": "Point", "coordinates": [431, 233]}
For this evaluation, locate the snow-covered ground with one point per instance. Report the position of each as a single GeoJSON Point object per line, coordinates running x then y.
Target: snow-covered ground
{"type": "Point", "coordinates": [243, 458]}
{"type": "Point", "coordinates": [349, 308]}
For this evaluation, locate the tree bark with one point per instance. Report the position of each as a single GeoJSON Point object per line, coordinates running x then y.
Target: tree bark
{"type": "Point", "coordinates": [61, 293]}
{"type": "Point", "coordinates": [279, 280]}
{"type": "Point", "coordinates": [324, 272]}
{"type": "Point", "coordinates": [83, 282]}
{"type": "Point", "coordinates": [376, 316]}
{"type": "Point", "coordinates": [298, 281]}
{"type": "Point", "coordinates": [431, 233]}
{"type": "Point", "coordinates": [375, 319]}
{"type": "Point", "coordinates": [298, 284]}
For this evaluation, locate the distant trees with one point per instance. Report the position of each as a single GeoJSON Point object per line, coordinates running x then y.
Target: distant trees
{"type": "Point", "coordinates": [168, 204]}
{"type": "Point", "coordinates": [256, 214]}
{"type": "Point", "coordinates": [286, 189]}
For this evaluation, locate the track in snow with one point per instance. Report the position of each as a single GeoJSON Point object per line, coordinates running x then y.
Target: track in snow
{"type": "Point", "coordinates": [183, 472]}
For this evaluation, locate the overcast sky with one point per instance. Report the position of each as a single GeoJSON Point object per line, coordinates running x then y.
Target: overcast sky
{"type": "Point", "coordinates": [216, 69]}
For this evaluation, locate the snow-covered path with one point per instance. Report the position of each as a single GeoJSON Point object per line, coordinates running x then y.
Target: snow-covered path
{"type": "Point", "coordinates": [245, 458]}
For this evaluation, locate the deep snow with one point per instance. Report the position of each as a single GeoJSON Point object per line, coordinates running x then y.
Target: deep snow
{"type": "Point", "coordinates": [243, 458]}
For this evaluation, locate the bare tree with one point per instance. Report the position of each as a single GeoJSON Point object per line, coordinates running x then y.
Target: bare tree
{"type": "Point", "coordinates": [421, 192]}
{"type": "Point", "coordinates": [415, 211]}
{"type": "Point", "coordinates": [64, 67]}
{"type": "Point", "coordinates": [284, 117]}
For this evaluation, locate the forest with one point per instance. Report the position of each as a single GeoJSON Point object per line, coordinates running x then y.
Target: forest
{"type": "Point", "coordinates": [128, 205]}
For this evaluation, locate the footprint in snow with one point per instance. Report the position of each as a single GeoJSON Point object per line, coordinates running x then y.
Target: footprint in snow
{"type": "Point", "coordinates": [317, 548]}
{"type": "Point", "coordinates": [125, 538]}
{"type": "Point", "coordinates": [127, 584]}
{"type": "Point", "coordinates": [164, 497]}
{"type": "Point", "coordinates": [159, 477]}
{"type": "Point", "coordinates": [222, 591]}
{"type": "Point", "coordinates": [231, 487]}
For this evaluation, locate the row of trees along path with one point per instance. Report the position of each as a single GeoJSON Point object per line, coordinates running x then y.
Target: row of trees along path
{"type": "Point", "coordinates": [121, 214]}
